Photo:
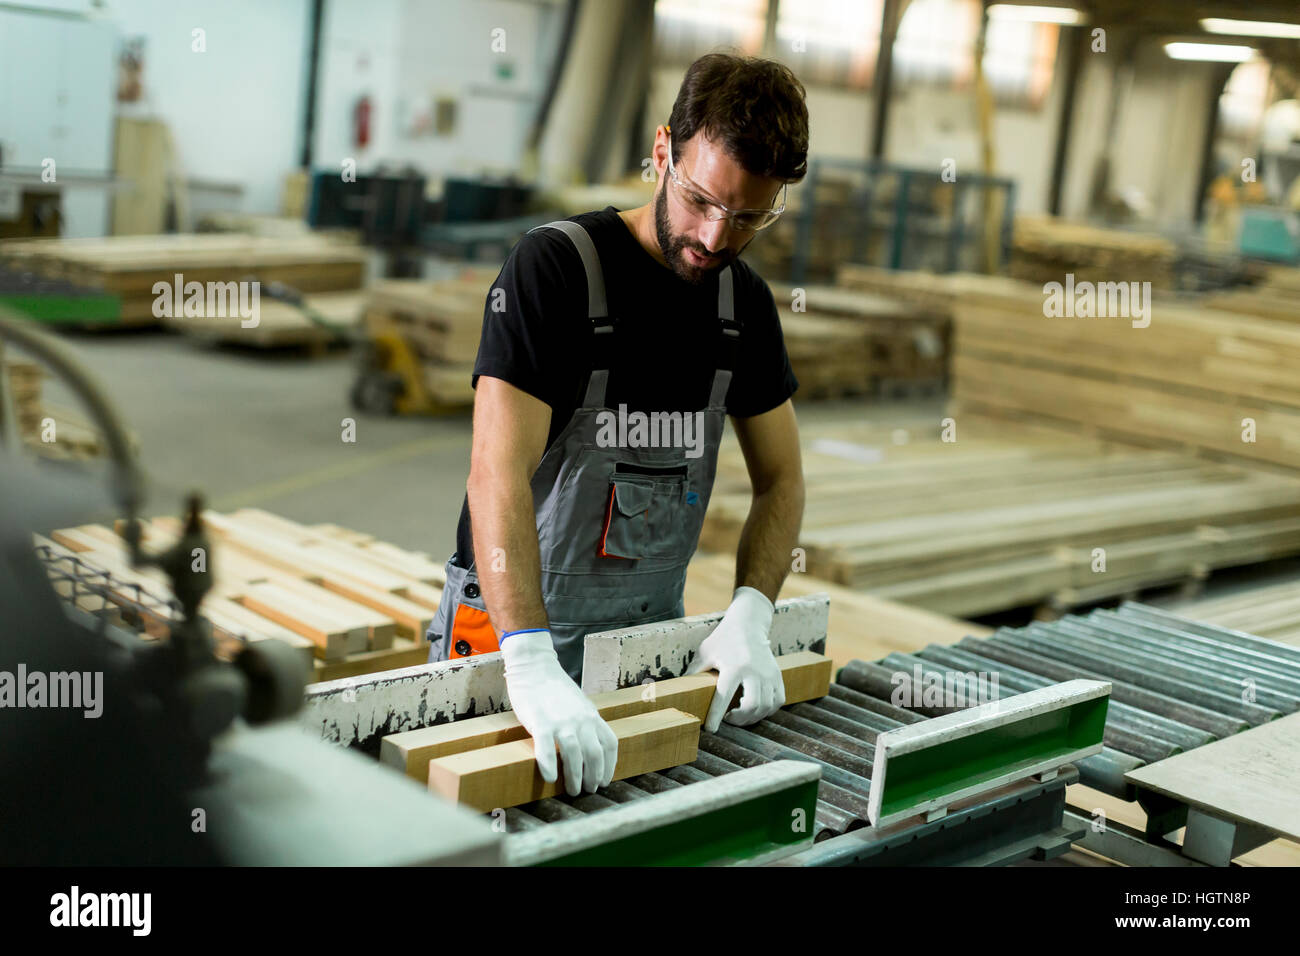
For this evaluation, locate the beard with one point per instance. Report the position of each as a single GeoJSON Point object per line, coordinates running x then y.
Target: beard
{"type": "Point", "coordinates": [673, 247]}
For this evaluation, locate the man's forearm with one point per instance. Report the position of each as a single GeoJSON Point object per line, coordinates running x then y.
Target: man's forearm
{"type": "Point", "coordinates": [506, 553]}
{"type": "Point", "coordinates": [769, 537]}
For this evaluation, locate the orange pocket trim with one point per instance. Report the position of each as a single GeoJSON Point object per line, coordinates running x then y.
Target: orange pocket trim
{"type": "Point", "coordinates": [604, 535]}
{"type": "Point", "coordinates": [474, 627]}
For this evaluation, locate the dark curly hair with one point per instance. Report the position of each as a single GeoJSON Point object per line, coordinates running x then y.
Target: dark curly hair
{"type": "Point", "coordinates": [754, 107]}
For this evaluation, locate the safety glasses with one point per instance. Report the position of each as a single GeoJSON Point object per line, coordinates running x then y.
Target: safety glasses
{"type": "Point", "coordinates": [700, 203]}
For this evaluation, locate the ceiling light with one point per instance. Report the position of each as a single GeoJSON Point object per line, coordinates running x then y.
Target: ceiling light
{"type": "Point", "coordinates": [1214, 52]}
{"type": "Point", "coordinates": [1252, 28]}
{"type": "Point", "coordinates": [1012, 11]}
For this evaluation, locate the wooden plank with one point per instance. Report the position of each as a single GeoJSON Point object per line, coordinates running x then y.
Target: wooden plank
{"type": "Point", "coordinates": [1252, 777]}
{"type": "Point", "coordinates": [422, 594]}
{"type": "Point", "coordinates": [1004, 515]}
{"type": "Point", "coordinates": [357, 604]}
{"type": "Point", "coordinates": [1104, 806]}
{"type": "Point", "coordinates": [396, 614]}
{"type": "Point", "coordinates": [506, 775]}
{"type": "Point", "coordinates": [298, 615]}
{"type": "Point", "coordinates": [284, 554]}
{"type": "Point", "coordinates": [380, 629]}
{"type": "Point", "coordinates": [806, 675]}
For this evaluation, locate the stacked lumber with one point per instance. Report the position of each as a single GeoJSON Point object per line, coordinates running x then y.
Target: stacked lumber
{"type": "Point", "coordinates": [71, 435]}
{"type": "Point", "coordinates": [129, 266]}
{"type": "Point", "coordinates": [354, 605]}
{"type": "Point", "coordinates": [830, 358]}
{"type": "Point", "coordinates": [1276, 297]}
{"type": "Point", "coordinates": [25, 379]}
{"type": "Point", "coordinates": [1191, 379]}
{"type": "Point", "coordinates": [906, 342]}
{"type": "Point", "coordinates": [441, 321]}
{"type": "Point", "coordinates": [280, 324]}
{"type": "Point", "coordinates": [489, 762]}
{"type": "Point", "coordinates": [1044, 249]}
{"type": "Point", "coordinates": [1264, 302]}
{"type": "Point", "coordinates": [1283, 279]}
{"type": "Point", "coordinates": [928, 291]}
{"type": "Point", "coordinates": [772, 251]}
{"type": "Point", "coordinates": [1267, 610]}
{"type": "Point", "coordinates": [1009, 516]}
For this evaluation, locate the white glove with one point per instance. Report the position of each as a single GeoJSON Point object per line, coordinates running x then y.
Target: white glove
{"type": "Point", "coordinates": [738, 650]}
{"type": "Point", "coordinates": [554, 711]}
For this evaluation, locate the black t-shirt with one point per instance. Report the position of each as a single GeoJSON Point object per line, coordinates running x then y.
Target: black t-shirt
{"type": "Point", "coordinates": [666, 346]}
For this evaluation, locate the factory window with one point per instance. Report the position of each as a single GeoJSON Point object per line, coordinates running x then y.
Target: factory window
{"type": "Point", "coordinates": [936, 44]}
{"type": "Point", "coordinates": [829, 42]}
{"type": "Point", "coordinates": [1019, 59]}
{"type": "Point", "coordinates": [1241, 107]}
{"type": "Point", "coordinates": [686, 29]}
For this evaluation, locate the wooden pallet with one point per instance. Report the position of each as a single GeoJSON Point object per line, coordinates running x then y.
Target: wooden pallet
{"type": "Point", "coordinates": [129, 266]}
{"type": "Point", "coordinates": [1010, 515]}
{"type": "Point", "coordinates": [353, 604]}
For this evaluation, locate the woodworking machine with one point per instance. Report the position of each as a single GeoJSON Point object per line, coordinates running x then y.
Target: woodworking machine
{"type": "Point", "coordinates": [847, 779]}
{"type": "Point", "coordinates": [884, 776]}
{"type": "Point", "coordinates": [875, 772]}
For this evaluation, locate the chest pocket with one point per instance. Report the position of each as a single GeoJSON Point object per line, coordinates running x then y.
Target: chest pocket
{"type": "Point", "coordinates": [644, 517]}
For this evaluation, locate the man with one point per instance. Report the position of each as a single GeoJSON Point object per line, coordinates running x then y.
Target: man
{"type": "Point", "coordinates": [614, 347]}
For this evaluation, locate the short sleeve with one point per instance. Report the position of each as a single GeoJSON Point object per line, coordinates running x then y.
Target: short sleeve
{"type": "Point", "coordinates": [763, 378]}
{"type": "Point", "coordinates": [527, 319]}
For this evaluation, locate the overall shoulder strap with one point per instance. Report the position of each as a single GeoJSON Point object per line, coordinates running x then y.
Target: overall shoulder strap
{"type": "Point", "coordinates": [597, 307]}
{"type": "Point", "coordinates": [730, 328]}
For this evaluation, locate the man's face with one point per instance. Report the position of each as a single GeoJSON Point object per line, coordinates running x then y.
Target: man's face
{"type": "Point", "coordinates": [693, 246]}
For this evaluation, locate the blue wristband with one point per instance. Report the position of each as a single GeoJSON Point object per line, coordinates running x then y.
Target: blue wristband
{"type": "Point", "coordinates": [526, 630]}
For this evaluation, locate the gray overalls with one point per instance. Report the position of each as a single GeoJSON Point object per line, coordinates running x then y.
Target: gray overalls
{"type": "Point", "coordinates": [616, 525]}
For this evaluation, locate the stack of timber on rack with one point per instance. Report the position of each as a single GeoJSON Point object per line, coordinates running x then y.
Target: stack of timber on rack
{"type": "Point", "coordinates": [830, 358]}
{"type": "Point", "coordinates": [1219, 382]}
{"type": "Point", "coordinates": [928, 291]}
{"type": "Point", "coordinates": [353, 604]}
{"type": "Point", "coordinates": [440, 321]}
{"type": "Point", "coordinates": [130, 266]}
{"type": "Point", "coordinates": [51, 431]}
{"type": "Point", "coordinates": [1045, 250]}
{"type": "Point", "coordinates": [1283, 279]}
{"type": "Point", "coordinates": [1266, 610]}
{"type": "Point", "coordinates": [1010, 515]}
{"type": "Point", "coordinates": [1276, 297]}
{"type": "Point", "coordinates": [280, 324]}
{"type": "Point", "coordinates": [906, 345]}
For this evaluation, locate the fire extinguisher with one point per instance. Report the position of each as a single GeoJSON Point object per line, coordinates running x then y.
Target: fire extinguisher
{"type": "Point", "coordinates": [361, 122]}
